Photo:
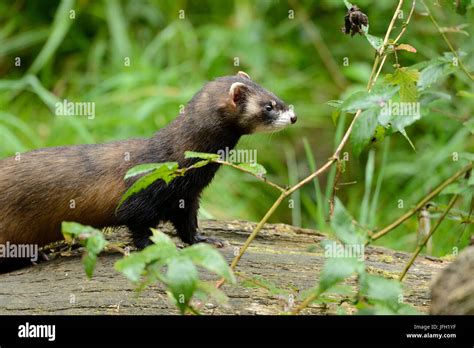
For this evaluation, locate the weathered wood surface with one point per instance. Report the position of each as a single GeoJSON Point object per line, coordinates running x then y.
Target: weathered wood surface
{"type": "Point", "coordinates": [289, 257]}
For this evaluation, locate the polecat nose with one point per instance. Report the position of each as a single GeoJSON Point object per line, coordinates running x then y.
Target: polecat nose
{"type": "Point", "coordinates": [293, 119]}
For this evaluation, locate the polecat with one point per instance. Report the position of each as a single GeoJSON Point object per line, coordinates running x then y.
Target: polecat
{"type": "Point", "coordinates": [85, 183]}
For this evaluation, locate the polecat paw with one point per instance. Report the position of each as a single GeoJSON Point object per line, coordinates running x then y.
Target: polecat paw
{"type": "Point", "coordinates": [199, 238]}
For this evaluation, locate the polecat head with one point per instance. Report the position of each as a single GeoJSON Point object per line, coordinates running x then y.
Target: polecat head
{"type": "Point", "coordinates": [249, 107]}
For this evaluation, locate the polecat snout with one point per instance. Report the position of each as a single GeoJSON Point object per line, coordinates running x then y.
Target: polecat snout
{"type": "Point", "coordinates": [84, 183]}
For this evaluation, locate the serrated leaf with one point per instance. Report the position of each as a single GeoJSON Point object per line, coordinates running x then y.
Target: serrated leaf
{"type": "Point", "coordinates": [406, 78]}
{"type": "Point", "coordinates": [343, 226]}
{"type": "Point", "coordinates": [147, 167]}
{"type": "Point", "coordinates": [337, 269]}
{"type": "Point", "coordinates": [132, 266]}
{"type": "Point", "coordinates": [364, 100]}
{"type": "Point", "coordinates": [254, 168]}
{"type": "Point", "coordinates": [206, 256]}
{"type": "Point", "coordinates": [381, 289]}
{"type": "Point", "coordinates": [436, 69]}
{"type": "Point", "coordinates": [364, 130]}
{"type": "Point", "coordinates": [182, 278]}
{"type": "Point", "coordinates": [202, 155]}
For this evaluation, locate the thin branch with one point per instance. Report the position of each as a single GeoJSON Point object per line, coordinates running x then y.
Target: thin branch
{"type": "Point", "coordinates": [422, 203]}
{"type": "Point", "coordinates": [463, 67]}
{"type": "Point", "coordinates": [433, 230]}
{"type": "Point", "coordinates": [259, 177]}
{"type": "Point", "coordinates": [405, 25]}
{"type": "Point", "coordinates": [325, 167]}
{"type": "Point", "coordinates": [306, 302]}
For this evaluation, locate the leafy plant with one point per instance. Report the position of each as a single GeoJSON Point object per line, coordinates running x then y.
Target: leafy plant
{"type": "Point", "coordinates": [176, 269]}
{"type": "Point", "coordinates": [92, 239]}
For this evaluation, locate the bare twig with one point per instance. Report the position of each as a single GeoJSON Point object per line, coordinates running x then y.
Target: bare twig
{"type": "Point", "coordinates": [327, 165]}
{"type": "Point", "coordinates": [259, 177]}
{"type": "Point", "coordinates": [423, 243]}
{"type": "Point", "coordinates": [422, 203]}
{"type": "Point", "coordinates": [405, 25]}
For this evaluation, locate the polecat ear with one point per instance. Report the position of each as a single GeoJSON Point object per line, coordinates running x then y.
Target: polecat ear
{"type": "Point", "coordinates": [237, 92]}
{"type": "Point", "coordinates": [243, 74]}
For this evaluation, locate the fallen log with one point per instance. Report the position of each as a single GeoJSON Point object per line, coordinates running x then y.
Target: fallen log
{"type": "Point", "coordinates": [286, 256]}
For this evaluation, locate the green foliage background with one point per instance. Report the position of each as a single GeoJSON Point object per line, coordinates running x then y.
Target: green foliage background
{"type": "Point", "coordinates": [171, 58]}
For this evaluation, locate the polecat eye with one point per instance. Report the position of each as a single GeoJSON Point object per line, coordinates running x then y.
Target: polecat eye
{"type": "Point", "coordinates": [269, 107]}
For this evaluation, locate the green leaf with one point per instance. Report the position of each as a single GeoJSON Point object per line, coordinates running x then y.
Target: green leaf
{"type": "Point", "coordinates": [364, 100]}
{"type": "Point", "coordinates": [206, 256]}
{"type": "Point", "coordinates": [165, 172]}
{"type": "Point", "coordinates": [406, 78]}
{"type": "Point", "coordinates": [348, 4]}
{"type": "Point", "coordinates": [89, 260]}
{"type": "Point", "coordinates": [205, 289]}
{"type": "Point", "coordinates": [388, 291]}
{"type": "Point", "coordinates": [436, 69]}
{"type": "Point", "coordinates": [182, 278]}
{"type": "Point", "coordinates": [132, 266]}
{"type": "Point", "coordinates": [202, 155]}
{"type": "Point", "coordinates": [96, 243]}
{"type": "Point", "coordinates": [254, 168]}
{"type": "Point", "coordinates": [74, 229]}
{"type": "Point", "coordinates": [147, 167]}
{"type": "Point", "coordinates": [375, 41]}
{"type": "Point", "coordinates": [337, 269]}
{"type": "Point", "coordinates": [343, 226]}
{"type": "Point", "coordinates": [165, 247]}
{"type": "Point", "coordinates": [364, 130]}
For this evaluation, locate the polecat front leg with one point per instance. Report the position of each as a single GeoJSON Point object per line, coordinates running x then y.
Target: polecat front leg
{"type": "Point", "coordinates": [140, 235]}
{"type": "Point", "coordinates": [186, 225]}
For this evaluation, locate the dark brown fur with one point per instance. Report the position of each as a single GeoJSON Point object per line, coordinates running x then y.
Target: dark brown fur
{"type": "Point", "coordinates": [36, 191]}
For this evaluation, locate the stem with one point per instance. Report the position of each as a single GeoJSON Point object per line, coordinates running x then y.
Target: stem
{"type": "Point", "coordinates": [405, 25]}
{"type": "Point", "coordinates": [461, 64]}
{"type": "Point", "coordinates": [422, 203]}
{"type": "Point", "coordinates": [261, 178]}
{"type": "Point", "coordinates": [390, 27]}
{"type": "Point", "coordinates": [435, 227]}
{"type": "Point", "coordinates": [258, 228]}
{"type": "Point", "coordinates": [325, 167]}
{"type": "Point", "coordinates": [305, 303]}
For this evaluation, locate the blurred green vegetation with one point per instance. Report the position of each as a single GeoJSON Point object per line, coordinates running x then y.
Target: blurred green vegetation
{"type": "Point", "coordinates": [300, 60]}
